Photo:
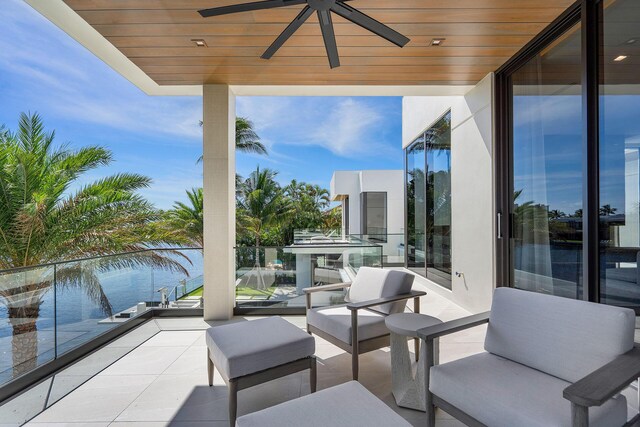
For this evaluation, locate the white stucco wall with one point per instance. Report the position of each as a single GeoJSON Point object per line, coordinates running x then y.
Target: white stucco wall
{"type": "Point", "coordinates": [472, 189]}
{"type": "Point", "coordinates": [352, 183]}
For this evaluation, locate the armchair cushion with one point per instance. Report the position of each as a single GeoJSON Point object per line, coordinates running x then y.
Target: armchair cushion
{"type": "Point", "coordinates": [373, 283]}
{"type": "Point", "coordinates": [499, 392]}
{"type": "Point", "coordinates": [562, 337]}
{"type": "Point", "coordinates": [336, 321]}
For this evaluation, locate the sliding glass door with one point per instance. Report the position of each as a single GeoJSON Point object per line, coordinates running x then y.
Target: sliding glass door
{"type": "Point", "coordinates": [428, 181]}
{"type": "Point", "coordinates": [547, 170]}
{"type": "Point", "coordinates": [568, 150]}
{"type": "Point", "coordinates": [619, 109]}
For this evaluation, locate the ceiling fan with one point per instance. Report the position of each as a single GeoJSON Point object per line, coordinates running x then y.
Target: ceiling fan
{"type": "Point", "coordinates": [323, 8]}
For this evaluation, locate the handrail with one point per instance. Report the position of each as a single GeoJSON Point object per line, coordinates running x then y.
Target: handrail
{"type": "Point", "coordinates": [56, 263]}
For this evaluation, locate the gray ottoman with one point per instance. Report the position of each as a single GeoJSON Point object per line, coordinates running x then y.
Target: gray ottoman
{"type": "Point", "coordinates": [250, 353]}
{"type": "Point", "coordinates": [346, 405]}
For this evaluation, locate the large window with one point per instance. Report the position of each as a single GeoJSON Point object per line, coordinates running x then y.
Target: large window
{"type": "Point", "coordinates": [569, 157]}
{"type": "Point", "coordinates": [547, 170]}
{"type": "Point", "coordinates": [416, 206]}
{"type": "Point", "coordinates": [428, 180]}
{"type": "Point", "coordinates": [374, 215]}
{"type": "Point", "coordinates": [619, 108]}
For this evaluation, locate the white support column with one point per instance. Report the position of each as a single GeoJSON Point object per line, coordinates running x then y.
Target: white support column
{"type": "Point", "coordinates": [219, 165]}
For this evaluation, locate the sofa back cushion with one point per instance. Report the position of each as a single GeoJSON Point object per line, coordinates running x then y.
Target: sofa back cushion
{"type": "Point", "coordinates": [562, 337]}
{"type": "Point", "coordinates": [373, 283]}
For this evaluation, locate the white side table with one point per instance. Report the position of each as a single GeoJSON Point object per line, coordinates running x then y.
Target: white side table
{"type": "Point", "coordinates": [408, 390]}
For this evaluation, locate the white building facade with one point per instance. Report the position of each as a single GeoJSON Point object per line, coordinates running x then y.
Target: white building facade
{"type": "Point", "coordinates": [372, 204]}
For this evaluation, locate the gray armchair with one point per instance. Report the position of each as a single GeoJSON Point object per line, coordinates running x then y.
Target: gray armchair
{"type": "Point", "coordinates": [548, 361]}
{"type": "Point", "coordinates": [358, 326]}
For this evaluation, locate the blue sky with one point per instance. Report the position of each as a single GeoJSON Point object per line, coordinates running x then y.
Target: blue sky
{"type": "Point", "coordinates": [44, 70]}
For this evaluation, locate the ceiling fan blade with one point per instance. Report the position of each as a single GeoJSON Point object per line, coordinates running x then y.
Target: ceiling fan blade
{"type": "Point", "coordinates": [329, 36]}
{"type": "Point", "coordinates": [369, 23]}
{"type": "Point", "coordinates": [247, 7]}
{"type": "Point", "coordinates": [288, 32]}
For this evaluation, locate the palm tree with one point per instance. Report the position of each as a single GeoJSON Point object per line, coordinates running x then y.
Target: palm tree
{"type": "Point", "coordinates": [43, 221]}
{"type": "Point", "coordinates": [261, 204]}
{"type": "Point", "coordinates": [247, 140]}
{"type": "Point", "coordinates": [332, 219]}
{"type": "Point", "coordinates": [607, 210]}
{"type": "Point", "coordinates": [188, 218]}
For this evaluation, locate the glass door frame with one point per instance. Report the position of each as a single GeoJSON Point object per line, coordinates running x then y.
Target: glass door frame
{"type": "Point", "coordinates": [587, 13]}
{"type": "Point", "coordinates": [441, 279]}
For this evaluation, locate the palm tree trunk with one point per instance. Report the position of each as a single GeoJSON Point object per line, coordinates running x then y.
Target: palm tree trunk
{"type": "Point", "coordinates": [24, 342]}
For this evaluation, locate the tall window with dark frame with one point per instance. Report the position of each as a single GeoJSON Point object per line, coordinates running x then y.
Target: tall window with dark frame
{"type": "Point", "coordinates": [570, 202]}
{"type": "Point", "coordinates": [547, 170]}
{"type": "Point", "coordinates": [428, 203]}
{"type": "Point", "coordinates": [374, 215]}
{"type": "Point", "coordinates": [619, 142]}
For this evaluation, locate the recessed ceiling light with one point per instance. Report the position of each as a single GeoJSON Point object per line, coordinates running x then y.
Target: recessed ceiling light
{"type": "Point", "coordinates": [620, 58]}
{"type": "Point", "coordinates": [199, 42]}
{"type": "Point", "coordinates": [437, 42]}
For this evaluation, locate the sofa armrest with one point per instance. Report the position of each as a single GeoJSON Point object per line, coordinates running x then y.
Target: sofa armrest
{"type": "Point", "coordinates": [602, 384]}
{"type": "Point", "coordinates": [380, 301]}
{"type": "Point", "coordinates": [323, 288]}
{"type": "Point", "coordinates": [432, 332]}
{"type": "Point", "coordinates": [331, 287]}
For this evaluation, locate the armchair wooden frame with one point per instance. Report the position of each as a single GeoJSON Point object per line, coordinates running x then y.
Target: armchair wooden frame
{"type": "Point", "coordinates": [592, 390]}
{"type": "Point", "coordinates": [357, 346]}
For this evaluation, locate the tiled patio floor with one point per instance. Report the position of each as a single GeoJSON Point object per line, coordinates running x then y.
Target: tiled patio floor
{"type": "Point", "coordinates": [156, 376]}
{"type": "Point", "coordinates": [163, 381]}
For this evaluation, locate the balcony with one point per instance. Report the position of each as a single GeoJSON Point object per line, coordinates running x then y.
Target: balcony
{"type": "Point", "coordinates": [156, 374]}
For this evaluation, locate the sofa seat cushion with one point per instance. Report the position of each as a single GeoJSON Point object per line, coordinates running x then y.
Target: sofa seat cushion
{"type": "Point", "coordinates": [499, 392]}
{"type": "Point", "coordinates": [336, 321]}
{"type": "Point", "coordinates": [348, 404]}
{"type": "Point", "coordinates": [244, 348]}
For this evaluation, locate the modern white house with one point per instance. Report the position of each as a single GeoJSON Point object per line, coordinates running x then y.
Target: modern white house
{"type": "Point", "coordinates": [451, 218]}
{"type": "Point", "coordinates": [373, 208]}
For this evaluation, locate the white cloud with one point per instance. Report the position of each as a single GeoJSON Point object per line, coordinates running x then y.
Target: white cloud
{"type": "Point", "coordinates": [348, 127]}
{"type": "Point", "coordinates": [66, 81]}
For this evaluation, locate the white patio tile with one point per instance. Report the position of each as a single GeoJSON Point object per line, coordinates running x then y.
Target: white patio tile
{"type": "Point", "coordinates": [191, 362]}
{"type": "Point", "coordinates": [25, 406]}
{"type": "Point", "coordinates": [137, 336]}
{"type": "Point", "coordinates": [170, 424]}
{"type": "Point", "coordinates": [145, 361]}
{"type": "Point", "coordinates": [179, 398]}
{"type": "Point", "coordinates": [101, 424]}
{"type": "Point", "coordinates": [173, 339]}
{"type": "Point", "coordinates": [100, 399]}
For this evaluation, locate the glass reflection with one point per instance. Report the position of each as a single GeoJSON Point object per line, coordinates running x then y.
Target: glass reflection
{"type": "Point", "coordinates": [547, 170]}
{"type": "Point", "coordinates": [416, 206]}
{"type": "Point", "coordinates": [620, 154]}
{"type": "Point", "coordinates": [438, 230]}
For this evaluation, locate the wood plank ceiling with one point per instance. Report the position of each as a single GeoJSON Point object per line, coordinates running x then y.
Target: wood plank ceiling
{"type": "Point", "coordinates": [480, 36]}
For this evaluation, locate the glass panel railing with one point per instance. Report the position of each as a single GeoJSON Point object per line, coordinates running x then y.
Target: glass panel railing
{"type": "Point", "coordinates": [275, 277]}
{"type": "Point", "coordinates": [392, 247]}
{"type": "Point", "coordinates": [27, 325]}
{"type": "Point", "coordinates": [45, 311]}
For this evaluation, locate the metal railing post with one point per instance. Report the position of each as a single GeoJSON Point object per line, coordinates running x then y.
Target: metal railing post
{"type": "Point", "coordinates": [55, 311]}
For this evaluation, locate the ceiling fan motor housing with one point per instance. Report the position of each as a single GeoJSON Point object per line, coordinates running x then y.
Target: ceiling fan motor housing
{"type": "Point", "coordinates": [321, 4]}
